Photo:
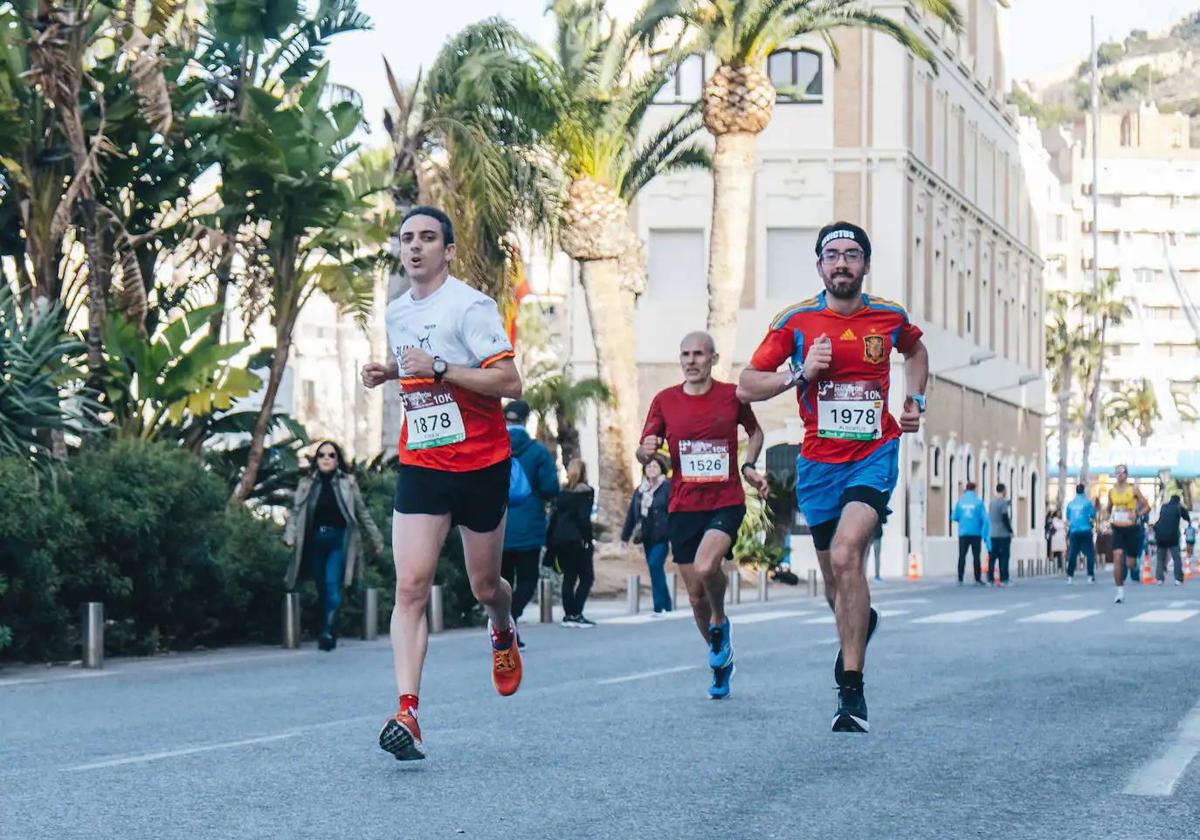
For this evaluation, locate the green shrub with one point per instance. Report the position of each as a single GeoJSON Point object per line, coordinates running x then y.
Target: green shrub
{"type": "Point", "coordinates": [251, 560]}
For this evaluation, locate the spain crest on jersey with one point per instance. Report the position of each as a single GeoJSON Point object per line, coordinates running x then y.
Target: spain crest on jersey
{"type": "Point", "coordinates": [874, 349]}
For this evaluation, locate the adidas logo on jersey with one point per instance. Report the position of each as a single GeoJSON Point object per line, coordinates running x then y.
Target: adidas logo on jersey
{"type": "Point", "coordinates": [848, 335]}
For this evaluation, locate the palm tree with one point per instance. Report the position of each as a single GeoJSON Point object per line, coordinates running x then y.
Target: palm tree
{"type": "Point", "coordinates": [1135, 408]}
{"type": "Point", "coordinates": [316, 228]}
{"type": "Point", "coordinates": [738, 100]}
{"type": "Point", "coordinates": [1102, 307]}
{"type": "Point", "coordinates": [559, 394]}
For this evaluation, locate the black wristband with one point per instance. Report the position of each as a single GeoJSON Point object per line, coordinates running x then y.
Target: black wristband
{"type": "Point", "coordinates": [749, 464]}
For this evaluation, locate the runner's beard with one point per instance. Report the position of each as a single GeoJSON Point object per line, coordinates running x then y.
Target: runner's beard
{"type": "Point", "coordinates": [844, 286]}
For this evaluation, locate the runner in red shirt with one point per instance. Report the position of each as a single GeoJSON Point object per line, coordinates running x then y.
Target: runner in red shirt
{"type": "Point", "coordinates": [839, 346]}
{"type": "Point", "coordinates": [698, 421]}
{"type": "Point", "coordinates": [454, 362]}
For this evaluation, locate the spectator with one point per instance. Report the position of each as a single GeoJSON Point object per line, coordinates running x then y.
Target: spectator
{"type": "Point", "coordinates": [970, 515]}
{"type": "Point", "coordinates": [570, 543]}
{"type": "Point", "coordinates": [1103, 542]}
{"type": "Point", "coordinates": [646, 523]}
{"type": "Point", "coordinates": [1166, 537]}
{"type": "Point", "coordinates": [1189, 539]}
{"type": "Point", "coordinates": [1000, 530]}
{"type": "Point", "coordinates": [1081, 518]}
{"type": "Point", "coordinates": [325, 529]}
{"type": "Point", "coordinates": [1058, 539]}
{"type": "Point", "coordinates": [533, 481]}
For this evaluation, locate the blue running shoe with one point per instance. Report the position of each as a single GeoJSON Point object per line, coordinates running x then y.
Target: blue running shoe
{"type": "Point", "coordinates": [719, 689]}
{"type": "Point", "coordinates": [720, 648]}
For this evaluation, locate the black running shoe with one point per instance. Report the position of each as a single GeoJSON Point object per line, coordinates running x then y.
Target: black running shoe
{"type": "Point", "coordinates": [839, 668]}
{"type": "Point", "coordinates": [852, 711]}
{"type": "Point", "coordinates": [401, 736]}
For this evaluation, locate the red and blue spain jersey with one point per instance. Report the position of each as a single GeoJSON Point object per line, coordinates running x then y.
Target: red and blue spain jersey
{"type": "Point", "coordinates": [845, 412]}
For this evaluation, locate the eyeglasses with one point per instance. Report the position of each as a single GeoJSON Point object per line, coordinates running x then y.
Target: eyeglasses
{"type": "Point", "coordinates": [831, 257]}
{"type": "Point", "coordinates": [326, 454]}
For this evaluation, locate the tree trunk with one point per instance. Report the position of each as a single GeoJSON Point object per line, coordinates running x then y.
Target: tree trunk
{"type": "Point", "coordinates": [97, 265]}
{"type": "Point", "coordinates": [610, 310]}
{"type": "Point", "coordinates": [283, 344]}
{"type": "Point", "coordinates": [1064, 423]}
{"type": "Point", "coordinates": [1093, 414]}
{"type": "Point", "coordinates": [224, 277]}
{"type": "Point", "coordinates": [729, 240]}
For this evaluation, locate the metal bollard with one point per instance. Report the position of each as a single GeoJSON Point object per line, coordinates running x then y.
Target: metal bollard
{"type": "Point", "coordinates": [546, 601]}
{"type": "Point", "coordinates": [92, 643]}
{"type": "Point", "coordinates": [633, 594]}
{"type": "Point", "coordinates": [370, 630]}
{"type": "Point", "coordinates": [291, 620]}
{"type": "Point", "coordinates": [673, 588]}
{"type": "Point", "coordinates": [764, 581]}
{"type": "Point", "coordinates": [435, 612]}
{"type": "Point", "coordinates": [812, 583]}
{"type": "Point", "coordinates": [1020, 568]}
{"type": "Point", "coordinates": [735, 585]}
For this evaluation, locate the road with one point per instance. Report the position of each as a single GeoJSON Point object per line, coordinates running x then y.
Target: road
{"type": "Point", "coordinates": [1038, 711]}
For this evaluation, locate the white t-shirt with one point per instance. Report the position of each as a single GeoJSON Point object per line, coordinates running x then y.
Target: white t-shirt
{"type": "Point", "coordinates": [447, 427]}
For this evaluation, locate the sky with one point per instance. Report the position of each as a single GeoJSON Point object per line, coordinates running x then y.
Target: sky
{"type": "Point", "coordinates": [1041, 35]}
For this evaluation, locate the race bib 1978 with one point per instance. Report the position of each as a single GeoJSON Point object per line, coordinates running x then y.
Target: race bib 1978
{"type": "Point", "coordinates": [704, 460]}
{"type": "Point", "coordinates": [432, 417]}
{"type": "Point", "coordinates": [850, 410]}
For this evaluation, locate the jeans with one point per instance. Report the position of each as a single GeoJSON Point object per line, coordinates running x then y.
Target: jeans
{"type": "Point", "coordinates": [972, 543]}
{"type": "Point", "coordinates": [326, 550]}
{"type": "Point", "coordinates": [578, 574]}
{"type": "Point", "coordinates": [1078, 543]}
{"type": "Point", "coordinates": [520, 568]}
{"type": "Point", "coordinates": [656, 560]}
{"type": "Point", "coordinates": [1161, 568]}
{"type": "Point", "coordinates": [999, 554]}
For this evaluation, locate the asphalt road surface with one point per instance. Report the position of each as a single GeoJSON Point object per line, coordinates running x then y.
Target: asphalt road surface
{"type": "Point", "coordinates": [1037, 711]}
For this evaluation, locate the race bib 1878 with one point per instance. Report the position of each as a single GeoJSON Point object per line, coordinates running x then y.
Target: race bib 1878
{"type": "Point", "coordinates": [432, 417]}
{"type": "Point", "coordinates": [850, 410]}
{"type": "Point", "coordinates": [704, 460]}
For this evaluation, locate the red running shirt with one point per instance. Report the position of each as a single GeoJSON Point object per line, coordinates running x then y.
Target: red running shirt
{"type": "Point", "coordinates": [701, 432]}
{"type": "Point", "coordinates": [845, 414]}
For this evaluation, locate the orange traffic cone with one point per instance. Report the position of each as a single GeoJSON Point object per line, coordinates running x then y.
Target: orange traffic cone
{"type": "Point", "coordinates": [914, 567]}
{"type": "Point", "coordinates": [1147, 570]}
{"type": "Point", "coordinates": [1187, 567]}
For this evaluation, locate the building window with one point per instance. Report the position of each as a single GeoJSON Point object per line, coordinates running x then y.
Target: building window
{"type": "Point", "coordinates": [686, 84]}
{"type": "Point", "coordinates": [676, 264]}
{"type": "Point", "coordinates": [789, 253]}
{"type": "Point", "coordinates": [1126, 131]}
{"type": "Point", "coordinates": [796, 75]}
{"type": "Point", "coordinates": [935, 465]}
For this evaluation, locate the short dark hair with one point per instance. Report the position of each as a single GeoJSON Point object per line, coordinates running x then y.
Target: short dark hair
{"type": "Point", "coordinates": [1079, 488]}
{"type": "Point", "coordinates": [844, 230]}
{"type": "Point", "coordinates": [1174, 497]}
{"type": "Point", "coordinates": [437, 215]}
{"type": "Point", "coordinates": [970, 485]}
{"type": "Point", "coordinates": [1000, 488]}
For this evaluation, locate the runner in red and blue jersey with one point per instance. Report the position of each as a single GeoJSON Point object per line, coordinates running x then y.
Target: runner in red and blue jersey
{"type": "Point", "coordinates": [838, 347]}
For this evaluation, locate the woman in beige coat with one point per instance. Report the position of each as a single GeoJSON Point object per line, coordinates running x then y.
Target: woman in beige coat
{"type": "Point", "coordinates": [325, 529]}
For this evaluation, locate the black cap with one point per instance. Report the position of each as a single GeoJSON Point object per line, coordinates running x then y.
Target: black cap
{"type": "Point", "coordinates": [517, 411]}
{"type": "Point", "coordinates": [843, 230]}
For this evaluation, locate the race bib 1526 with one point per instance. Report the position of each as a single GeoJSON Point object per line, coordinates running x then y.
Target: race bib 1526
{"type": "Point", "coordinates": [704, 460]}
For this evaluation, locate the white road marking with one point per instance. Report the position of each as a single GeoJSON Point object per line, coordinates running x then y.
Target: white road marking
{"type": "Point", "coordinates": [825, 619]}
{"type": "Point", "coordinates": [1058, 616]}
{"type": "Point", "coordinates": [1072, 597]}
{"type": "Point", "coordinates": [1160, 776]}
{"type": "Point", "coordinates": [889, 613]}
{"type": "Point", "coordinates": [956, 617]}
{"type": "Point", "coordinates": [62, 677]}
{"type": "Point", "coordinates": [768, 615]}
{"type": "Point", "coordinates": [1164, 616]}
{"type": "Point", "coordinates": [890, 603]}
{"type": "Point", "coordinates": [646, 618]}
{"type": "Point", "coordinates": [645, 675]}
{"type": "Point", "coordinates": [223, 745]}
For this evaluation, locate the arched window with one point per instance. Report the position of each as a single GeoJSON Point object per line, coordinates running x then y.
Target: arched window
{"type": "Point", "coordinates": [686, 84]}
{"type": "Point", "coordinates": [796, 75]}
{"type": "Point", "coordinates": [1126, 131]}
{"type": "Point", "coordinates": [951, 492]}
{"type": "Point", "coordinates": [1034, 503]}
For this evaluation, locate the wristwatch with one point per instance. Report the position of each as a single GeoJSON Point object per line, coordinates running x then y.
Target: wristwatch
{"type": "Point", "coordinates": [440, 367]}
{"type": "Point", "coordinates": [797, 378]}
{"type": "Point", "coordinates": [919, 399]}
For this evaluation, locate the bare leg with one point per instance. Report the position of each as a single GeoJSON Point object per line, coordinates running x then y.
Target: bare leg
{"type": "Point", "coordinates": [701, 611]}
{"type": "Point", "coordinates": [713, 548]}
{"type": "Point", "coordinates": [852, 604]}
{"type": "Point", "coordinates": [416, 542]}
{"type": "Point", "coordinates": [1118, 558]}
{"type": "Point", "coordinates": [483, 552]}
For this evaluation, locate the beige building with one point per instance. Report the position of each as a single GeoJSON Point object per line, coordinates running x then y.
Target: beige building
{"type": "Point", "coordinates": [930, 165]}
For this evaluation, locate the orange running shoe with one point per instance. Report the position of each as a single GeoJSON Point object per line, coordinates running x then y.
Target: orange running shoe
{"type": "Point", "coordinates": [401, 736]}
{"type": "Point", "coordinates": [506, 664]}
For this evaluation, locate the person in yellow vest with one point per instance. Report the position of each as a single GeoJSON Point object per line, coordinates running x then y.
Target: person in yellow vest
{"type": "Point", "coordinates": [1126, 505]}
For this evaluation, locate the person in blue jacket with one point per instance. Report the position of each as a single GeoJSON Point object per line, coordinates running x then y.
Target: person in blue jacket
{"type": "Point", "coordinates": [1081, 519]}
{"type": "Point", "coordinates": [528, 492]}
{"type": "Point", "coordinates": [971, 515]}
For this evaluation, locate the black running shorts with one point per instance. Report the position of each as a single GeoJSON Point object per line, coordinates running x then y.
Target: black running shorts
{"type": "Point", "coordinates": [476, 500]}
{"type": "Point", "coordinates": [686, 529]}
{"type": "Point", "coordinates": [1127, 539]}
